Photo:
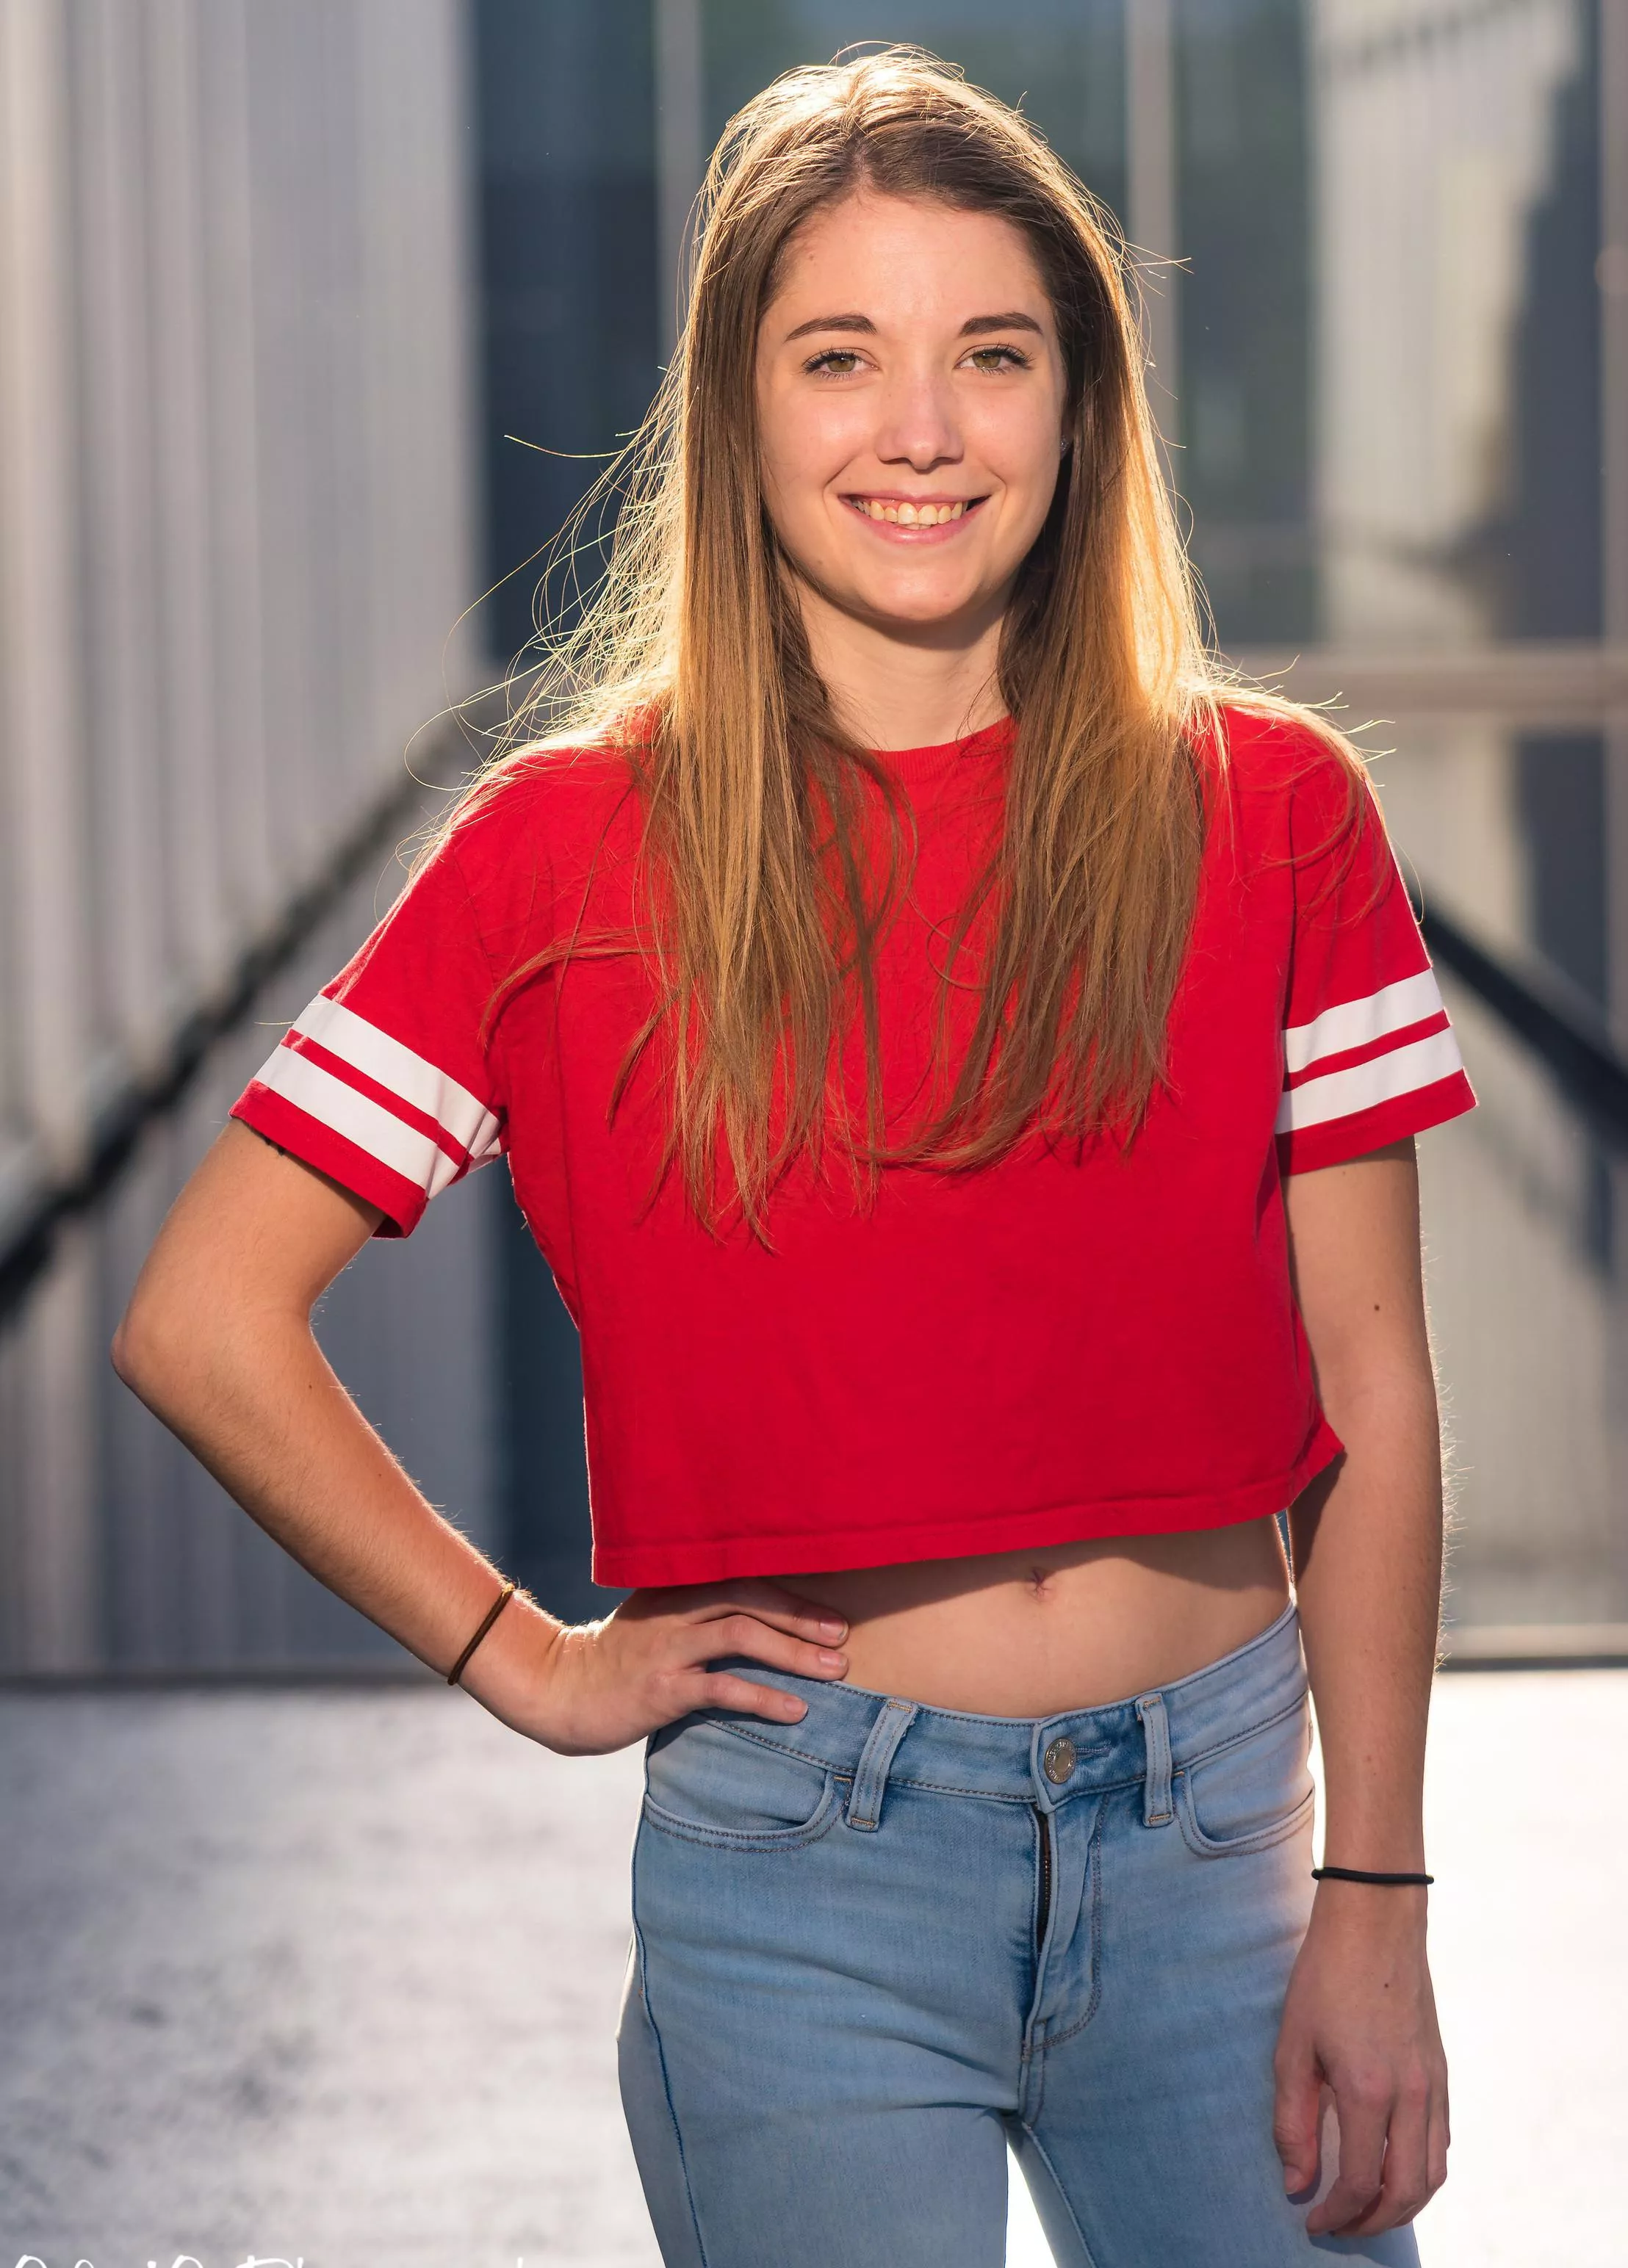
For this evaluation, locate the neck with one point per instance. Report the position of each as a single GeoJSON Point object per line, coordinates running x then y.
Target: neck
{"type": "Point", "coordinates": [894, 692]}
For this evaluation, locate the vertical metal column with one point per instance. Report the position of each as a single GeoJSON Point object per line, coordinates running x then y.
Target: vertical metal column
{"type": "Point", "coordinates": [681, 151]}
{"type": "Point", "coordinates": [51, 1565]}
{"type": "Point", "coordinates": [253, 873]}
{"type": "Point", "coordinates": [1152, 217]}
{"type": "Point", "coordinates": [196, 877]}
{"type": "Point", "coordinates": [1612, 275]}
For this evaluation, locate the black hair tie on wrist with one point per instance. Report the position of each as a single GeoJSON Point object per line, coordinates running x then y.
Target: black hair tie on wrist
{"type": "Point", "coordinates": [1358, 1874]}
{"type": "Point", "coordinates": [497, 1607]}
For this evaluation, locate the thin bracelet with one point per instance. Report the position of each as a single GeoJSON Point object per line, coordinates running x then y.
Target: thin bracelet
{"type": "Point", "coordinates": [492, 1613]}
{"type": "Point", "coordinates": [1358, 1874]}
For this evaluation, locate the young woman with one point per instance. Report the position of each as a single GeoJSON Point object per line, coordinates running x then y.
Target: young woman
{"type": "Point", "coordinates": [960, 1058]}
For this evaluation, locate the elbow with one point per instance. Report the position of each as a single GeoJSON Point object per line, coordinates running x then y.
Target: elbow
{"type": "Point", "coordinates": [153, 1347]}
{"type": "Point", "coordinates": [136, 1349]}
{"type": "Point", "coordinates": [186, 1337]}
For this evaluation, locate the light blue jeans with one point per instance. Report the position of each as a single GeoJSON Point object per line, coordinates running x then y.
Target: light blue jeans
{"type": "Point", "coordinates": [872, 1949]}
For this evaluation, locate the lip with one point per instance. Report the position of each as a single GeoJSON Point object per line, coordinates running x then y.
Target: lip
{"type": "Point", "coordinates": [891, 531]}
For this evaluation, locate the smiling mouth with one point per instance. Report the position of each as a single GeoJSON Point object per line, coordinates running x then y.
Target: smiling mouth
{"type": "Point", "coordinates": [907, 511]}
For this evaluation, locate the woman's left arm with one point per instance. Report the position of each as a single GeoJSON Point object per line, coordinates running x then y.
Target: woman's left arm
{"type": "Point", "coordinates": [1360, 2016]}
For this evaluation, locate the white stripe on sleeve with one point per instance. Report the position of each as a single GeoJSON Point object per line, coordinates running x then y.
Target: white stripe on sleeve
{"type": "Point", "coordinates": [363, 1046]}
{"type": "Point", "coordinates": [1356, 1023]}
{"type": "Point", "coordinates": [360, 1119]}
{"type": "Point", "coordinates": [1342, 1093]}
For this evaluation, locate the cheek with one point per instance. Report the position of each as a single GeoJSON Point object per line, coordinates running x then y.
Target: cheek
{"type": "Point", "coordinates": [1025, 455]}
{"type": "Point", "coordinates": [805, 443]}
{"type": "Point", "coordinates": [792, 499]}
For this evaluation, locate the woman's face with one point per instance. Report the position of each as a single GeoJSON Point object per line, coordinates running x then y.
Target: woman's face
{"type": "Point", "coordinates": [910, 395]}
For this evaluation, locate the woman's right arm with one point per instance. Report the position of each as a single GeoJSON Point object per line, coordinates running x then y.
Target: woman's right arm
{"type": "Point", "coordinates": [218, 1341]}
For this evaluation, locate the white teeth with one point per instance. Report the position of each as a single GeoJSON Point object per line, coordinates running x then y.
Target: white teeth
{"type": "Point", "coordinates": [912, 515]}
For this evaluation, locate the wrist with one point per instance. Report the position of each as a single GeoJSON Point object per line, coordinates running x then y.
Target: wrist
{"type": "Point", "coordinates": [1375, 1841]}
{"type": "Point", "coordinates": [510, 1671]}
{"type": "Point", "coordinates": [1391, 1912]}
{"type": "Point", "coordinates": [1373, 1878]}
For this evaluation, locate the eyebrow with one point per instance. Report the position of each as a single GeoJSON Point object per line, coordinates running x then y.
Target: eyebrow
{"type": "Point", "coordinates": [975, 327]}
{"type": "Point", "coordinates": [832, 323]}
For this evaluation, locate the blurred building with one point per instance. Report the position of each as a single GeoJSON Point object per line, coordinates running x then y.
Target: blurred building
{"type": "Point", "coordinates": [1384, 245]}
{"type": "Point", "coordinates": [236, 533]}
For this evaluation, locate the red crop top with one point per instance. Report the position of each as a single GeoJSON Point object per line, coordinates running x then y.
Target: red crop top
{"type": "Point", "coordinates": [1057, 1346]}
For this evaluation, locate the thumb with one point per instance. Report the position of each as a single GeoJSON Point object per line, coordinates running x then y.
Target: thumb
{"type": "Point", "coordinates": [1296, 2115]}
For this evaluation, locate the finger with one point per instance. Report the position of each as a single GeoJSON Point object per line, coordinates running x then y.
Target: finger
{"type": "Point", "coordinates": [1295, 2105]}
{"type": "Point", "coordinates": [723, 1689]}
{"type": "Point", "coordinates": [760, 1641]}
{"type": "Point", "coordinates": [772, 1603]}
{"type": "Point", "coordinates": [1406, 2188]}
{"type": "Point", "coordinates": [1440, 2141]}
{"type": "Point", "coordinates": [1364, 2113]}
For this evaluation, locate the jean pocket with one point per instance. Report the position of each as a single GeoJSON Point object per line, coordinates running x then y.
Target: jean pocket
{"type": "Point", "coordinates": [708, 1785]}
{"type": "Point", "coordinates": [1251, 1792]}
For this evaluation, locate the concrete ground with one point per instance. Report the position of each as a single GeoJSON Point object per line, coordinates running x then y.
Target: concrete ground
{"type": "Point", "coordinates": [330, 1976]}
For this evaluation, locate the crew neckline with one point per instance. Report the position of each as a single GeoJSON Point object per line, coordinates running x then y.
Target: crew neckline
{"type": "Point", "coordinates": [927, 763]}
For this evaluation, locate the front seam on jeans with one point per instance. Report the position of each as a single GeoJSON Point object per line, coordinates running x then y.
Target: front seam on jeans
{"type": "Point", "coordinates": [1044, 2155]}
{"type": "Point", "coordinates": [1033, 2060]}
{"type": "Point", "coordinates": [1094, 1863]}
{"type": "Point", "coordinates": [666, 2090]}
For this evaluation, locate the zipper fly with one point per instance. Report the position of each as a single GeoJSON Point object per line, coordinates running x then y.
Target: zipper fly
{"type": "Point", "coordinates": [1043, 1911]}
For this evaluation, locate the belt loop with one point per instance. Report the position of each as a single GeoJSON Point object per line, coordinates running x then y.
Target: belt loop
{"type": "Point", "coordinates": [1156, 1811]}
{"type": "Point", "coordinates": [865, 1804]}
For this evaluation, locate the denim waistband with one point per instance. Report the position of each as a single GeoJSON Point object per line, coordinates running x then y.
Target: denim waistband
{"type": "Point", "coordinates": [878, 1736]}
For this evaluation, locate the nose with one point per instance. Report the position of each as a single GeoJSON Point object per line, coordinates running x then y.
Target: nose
{"type": "Point", "coordinates": [918, 423]}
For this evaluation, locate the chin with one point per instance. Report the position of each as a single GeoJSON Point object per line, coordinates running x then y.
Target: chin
{"type": "Point", "coordinates": [921, 589]}
{"type": "Point", "coordinates": [919, 610]}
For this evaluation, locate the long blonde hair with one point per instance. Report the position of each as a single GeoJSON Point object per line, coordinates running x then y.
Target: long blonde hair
{"type": "Point", "coordinates": [762, 916]}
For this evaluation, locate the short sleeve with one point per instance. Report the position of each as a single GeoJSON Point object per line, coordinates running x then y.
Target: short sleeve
{"type": "Point", "coordinates": [383, 1082]}
{"type": "Point", "coordinates": [1369, 1056]}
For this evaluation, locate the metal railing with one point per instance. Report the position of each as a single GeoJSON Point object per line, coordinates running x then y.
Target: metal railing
{"type": "Point", "coordinates": [123, 1117]}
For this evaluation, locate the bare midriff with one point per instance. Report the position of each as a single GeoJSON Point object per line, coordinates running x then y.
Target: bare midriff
{"type": "Point", "coordinates": [1065, 1626]}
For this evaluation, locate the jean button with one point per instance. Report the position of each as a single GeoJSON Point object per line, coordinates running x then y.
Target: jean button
{"type": "Point", "coordinates": [1059, 1760]}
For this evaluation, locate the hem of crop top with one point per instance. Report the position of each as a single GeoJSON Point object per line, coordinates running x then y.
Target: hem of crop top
{"type": "Point", "coordinates": [718, 1559]}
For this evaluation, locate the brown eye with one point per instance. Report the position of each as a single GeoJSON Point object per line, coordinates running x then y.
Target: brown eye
{"type": "Point", "coordinates": [988, 358]}
{"type": "Point", "coordinates": [835, 362]}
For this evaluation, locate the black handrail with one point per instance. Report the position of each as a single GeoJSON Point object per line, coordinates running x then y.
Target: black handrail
{"type": "Point", "coordinates": [27, 1248]}
{"type": "Point", "coordinates": [1556, 1020]}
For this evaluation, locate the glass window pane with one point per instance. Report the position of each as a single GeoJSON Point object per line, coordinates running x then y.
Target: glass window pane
{"type": "Point", "coordinates": [1062, 60]}
{"type": "Point", "coordinates": [1456, 343]}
